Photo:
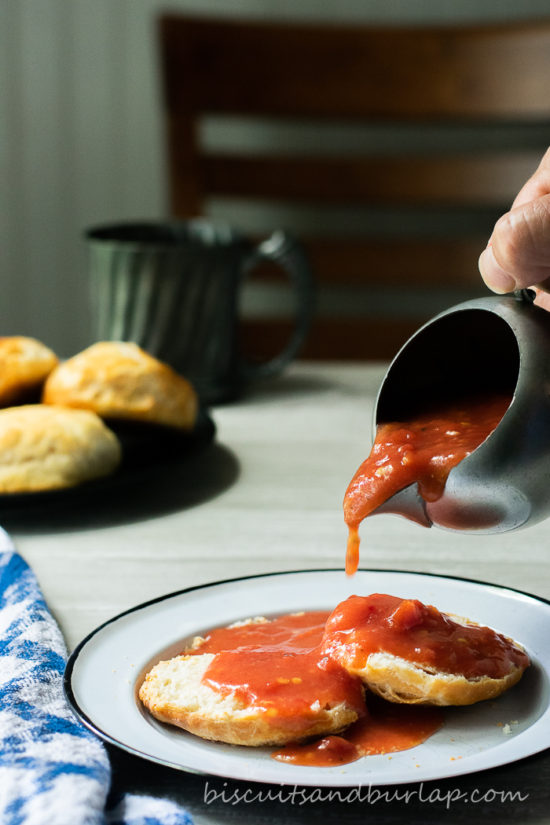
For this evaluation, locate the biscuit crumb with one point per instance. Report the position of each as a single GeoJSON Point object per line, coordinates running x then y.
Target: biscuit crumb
{"type": "Point", "coordinates": [507, 726]}
{"type": "Point", "coordinates": [246, 622]}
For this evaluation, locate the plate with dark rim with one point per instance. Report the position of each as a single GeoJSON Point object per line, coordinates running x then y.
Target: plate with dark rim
{"type": "Point", "coordinates": [105, 671]}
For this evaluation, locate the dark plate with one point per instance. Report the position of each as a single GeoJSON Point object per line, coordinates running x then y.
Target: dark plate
{"type": "Point", "coordinates": [148, 451]}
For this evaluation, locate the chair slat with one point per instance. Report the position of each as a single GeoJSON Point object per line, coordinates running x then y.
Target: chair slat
{"type": "Point", "coordinates": [350, 339]}
{"type": "Point", "coordinates": [490, 181]}
{"type": "Point", "coordinates": [356, 71]}
{"type": "Point", "coordinates": [488, 76]}
{"type": "Point", "coordinates": [422, 262]}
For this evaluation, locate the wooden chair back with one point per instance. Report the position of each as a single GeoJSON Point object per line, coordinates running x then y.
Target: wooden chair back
{"type": "Point", "coordinates": [379, 274]}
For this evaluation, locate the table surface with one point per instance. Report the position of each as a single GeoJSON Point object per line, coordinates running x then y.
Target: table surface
{"type": "Point", "coordinates": [266, 496]}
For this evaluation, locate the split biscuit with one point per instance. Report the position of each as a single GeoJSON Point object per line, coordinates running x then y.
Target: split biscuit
{"type": "Point", "coordinates": [119, 380]}
{"type": "Point", "coordinates": [400, 679]}
{"type": "Point", "coordinates": [48, 448]}
{"type": "Point", "coordinates": [174, 692]}
{"type": "Point", "coordinates": [25, 363]}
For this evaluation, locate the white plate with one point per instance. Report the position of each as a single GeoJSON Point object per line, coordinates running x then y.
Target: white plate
{"type": "Point", "coordinates": [104, 672]}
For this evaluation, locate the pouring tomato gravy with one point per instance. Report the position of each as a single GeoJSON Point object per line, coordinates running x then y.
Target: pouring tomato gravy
{"type": "Point", "coordinates": [281, 665]}
{"type": "Point", "coordinates": [423, 451]}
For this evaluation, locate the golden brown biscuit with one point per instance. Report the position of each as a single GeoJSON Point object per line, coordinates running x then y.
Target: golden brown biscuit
{"type": "Point", "coordinates": [47, 448]}
{"type": "Point", "coordinates": [119, 380]}
{"type": "Point", "coordinates": [25, 363]}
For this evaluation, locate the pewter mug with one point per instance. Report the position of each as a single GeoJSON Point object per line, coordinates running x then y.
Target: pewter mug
{"type": "Point", "coordinates": [493, 344]}
{"type": "Point", "coordinates": [173, 288]}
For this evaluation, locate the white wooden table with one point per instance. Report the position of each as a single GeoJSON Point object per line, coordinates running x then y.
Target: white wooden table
{"type": "Point", "coordinates": [297, 442]}
{"type": "Point", "coordinates": [266, 497]}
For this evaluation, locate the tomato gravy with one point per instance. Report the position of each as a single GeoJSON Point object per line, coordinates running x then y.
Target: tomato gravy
{"type": "Point", "coordinates": [281, 665]}
{"type": "Point", "coordinates": [419, 633]}
{"type": "Point", "coordinates": [278, 665]}
{"type": "Point", "coordinates": [423, 451]}
{"type": "Point", "coordinates": [387, 728]}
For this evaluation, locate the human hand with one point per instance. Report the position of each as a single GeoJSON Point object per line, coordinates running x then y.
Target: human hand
{"type": "Point", "coordinates": [518, 252]}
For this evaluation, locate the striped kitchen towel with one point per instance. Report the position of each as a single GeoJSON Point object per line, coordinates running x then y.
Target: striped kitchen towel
{"type": "Point", "coordinates": [53, 771]}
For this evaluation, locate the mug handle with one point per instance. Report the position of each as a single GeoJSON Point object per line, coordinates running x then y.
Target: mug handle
{"type": "Point", "coordinates": [286, 251]}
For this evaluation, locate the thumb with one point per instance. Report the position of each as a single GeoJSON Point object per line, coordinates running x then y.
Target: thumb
{"type": "Point", "coordinates": [518, 254]}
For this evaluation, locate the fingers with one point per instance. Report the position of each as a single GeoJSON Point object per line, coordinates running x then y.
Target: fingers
{"type": "Point", "coordinates": [518, 254]}
{"type": "Point", "coordinates": [496, 278]}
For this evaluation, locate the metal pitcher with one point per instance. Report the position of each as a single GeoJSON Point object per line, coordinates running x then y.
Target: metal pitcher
{"type": "Point", "coordinates": [493, 344]}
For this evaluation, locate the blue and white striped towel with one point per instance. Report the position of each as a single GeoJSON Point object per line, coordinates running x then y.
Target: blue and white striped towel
{"type": "Point", "coordinates": [53, 771]}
